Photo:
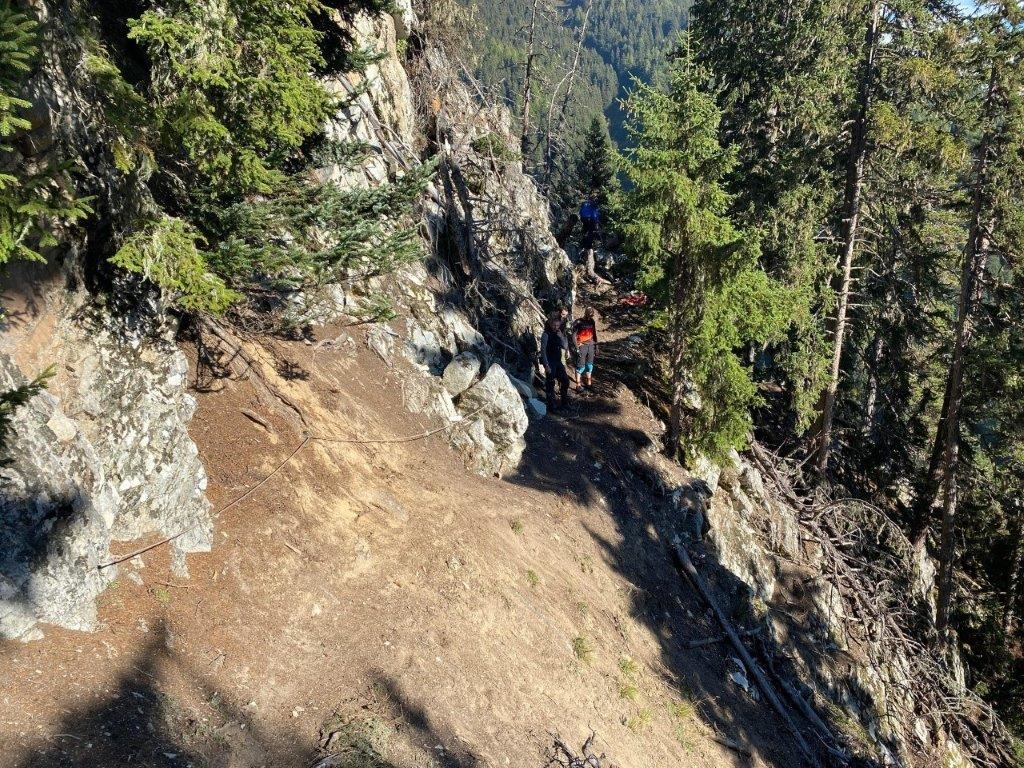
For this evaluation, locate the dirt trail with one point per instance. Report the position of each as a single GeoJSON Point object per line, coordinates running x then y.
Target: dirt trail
{"type": "Point", "coordinates": [422, 615]}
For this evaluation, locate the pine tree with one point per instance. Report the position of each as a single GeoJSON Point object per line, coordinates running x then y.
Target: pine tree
{"type": "Point", "coordinates": [781, 69]}
{"type": "Point", "coordinates": [33, 204]}
{"type": "Point", "coordinates": [853, 197]}
{"type": "Point", "coordinates": [995, 236]}
{"type": "Point", "coordinates": [597, 163]}
{"type": "Point", "coordinates": [234, 93]}
{"type": "Point", "coordinates": [700, 269]}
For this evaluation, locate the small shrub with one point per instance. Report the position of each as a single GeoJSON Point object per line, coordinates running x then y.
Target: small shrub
{"type": "Point", "coordinates": [378, 308]}
{"type": "Point", "coordinates": [167, 253]}
{"type": "Point", "coordinates": [494, 145]}
{"type": "Point", "coordinates": [683, 711]}
{"type": "Point", "coordinates": [517, 526]}
{"type": "Point", "coordinates": [641, 721]}
{"type": "Point", "coordinates": [306, 236]}
{"type": "Point", "coordinates": [533, 578]}
{"type": "Point", "coordinates": [628, 690]}
{"type": "Point", "coordinates": [628, 667]}
{"type": "Point", "coordinates": [583, 649]}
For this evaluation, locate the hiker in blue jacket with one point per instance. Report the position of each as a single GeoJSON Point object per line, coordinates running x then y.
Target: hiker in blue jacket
{"type": "Point", "coordinates": [590, 217]}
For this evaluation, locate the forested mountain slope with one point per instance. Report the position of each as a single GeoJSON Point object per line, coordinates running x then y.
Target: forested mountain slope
{"type": "Point", "coordinates": [623, 40]}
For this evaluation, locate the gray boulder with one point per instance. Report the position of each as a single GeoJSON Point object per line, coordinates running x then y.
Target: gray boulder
{"type": "Point", "coordinates": [461, 373]}
{"type": "Point", "coordinates": [537, 408]}
{"type": "Point", "coordinates": [526, 390]}
{"type": "Point", "coordinates": [427, 395]}
{"type": "Point", "coordinates": [110, 461]}
{"type": "Point", "coordinates": [493, 410]}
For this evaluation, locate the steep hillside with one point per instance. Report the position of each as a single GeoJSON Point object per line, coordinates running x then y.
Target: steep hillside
{"type": "Point", "coordinates": [379, 602]}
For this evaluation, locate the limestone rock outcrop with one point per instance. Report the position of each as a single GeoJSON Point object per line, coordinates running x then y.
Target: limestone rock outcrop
{"type": "Point", "coordinates": [104, 457]}
{"type": "Point", "coordinates": [494, 422]}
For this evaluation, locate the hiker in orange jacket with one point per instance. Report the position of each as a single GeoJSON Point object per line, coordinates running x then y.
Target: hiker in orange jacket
{"type": "Point", "coordinates": [584, 334]}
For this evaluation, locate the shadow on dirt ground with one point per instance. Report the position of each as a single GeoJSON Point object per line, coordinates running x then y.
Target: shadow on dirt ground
{"type": "Point", "coordinates": [135, 722]}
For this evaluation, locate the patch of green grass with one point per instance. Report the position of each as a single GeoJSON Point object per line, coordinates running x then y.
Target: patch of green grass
{"type": "Point", "coordinates": [628, 667]}
{"type": "Point", "coordinates": [683, 711]}
{"type": "Point", "coordinates": [162, 594]}
{"type": "Point", "coordinates": [517, 526]}
{"type": "Point", "coordinates": [629, 671]}
{"type": "Point", "coordinates": [532, 578]}
{"type": "Point", "coordinates": [683, 737]}
{"type": "Point", "coordinates": [641, 721]}
{"type": "Point", "coordinates": [583, 608]}
{"type": "Point", "coordinates": [583, 649]}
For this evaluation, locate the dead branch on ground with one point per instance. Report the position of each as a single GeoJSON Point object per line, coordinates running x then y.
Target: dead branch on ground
{"type": "Point", "coordinates": [562, 754]}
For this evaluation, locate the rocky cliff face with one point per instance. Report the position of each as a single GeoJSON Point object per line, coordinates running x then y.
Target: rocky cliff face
{"type": "Point", "coordinates": [105, 456]}
{"type": "Point", "coordinates": [816, 621]}
{"type": "Point", "coordinates": [492, 262]}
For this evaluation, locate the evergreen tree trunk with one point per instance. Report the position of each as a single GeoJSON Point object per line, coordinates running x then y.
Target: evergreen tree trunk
{"type": "Point", "coordinates": [685, 314]}
{"type": "Point", "coordinates": [852, 208]}
{"type": "Point", "coordinates": [926, 499]}
{"type": "Point", "coordinates": [531, 54]}
{"type": "Point", "coordinates": [1012, 589]}
{"type": "Point", "coordinates": [871, 406]}
{"type": "Point", "coordinates": [974, 260]}
{"type": "Point", "coordinates": [945, 450]}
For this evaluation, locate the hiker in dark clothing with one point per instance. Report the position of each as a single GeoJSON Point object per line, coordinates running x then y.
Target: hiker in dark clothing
{"type": "Point", "coordinates": [590, 217]}
{"type": "Point", "coordinates": [584, 333]}
{"type": "Point", "coordinates": [553, 346]}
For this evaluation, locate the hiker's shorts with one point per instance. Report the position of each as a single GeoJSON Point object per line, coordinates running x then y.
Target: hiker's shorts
{"type": "Point", "coordinates": [585, 357]}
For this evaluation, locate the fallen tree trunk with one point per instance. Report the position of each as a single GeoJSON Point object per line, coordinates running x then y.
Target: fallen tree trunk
{"type": "Point", "coordinates": [700, 643]}
{"type": "Point", "coordinates": [759, 676]}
